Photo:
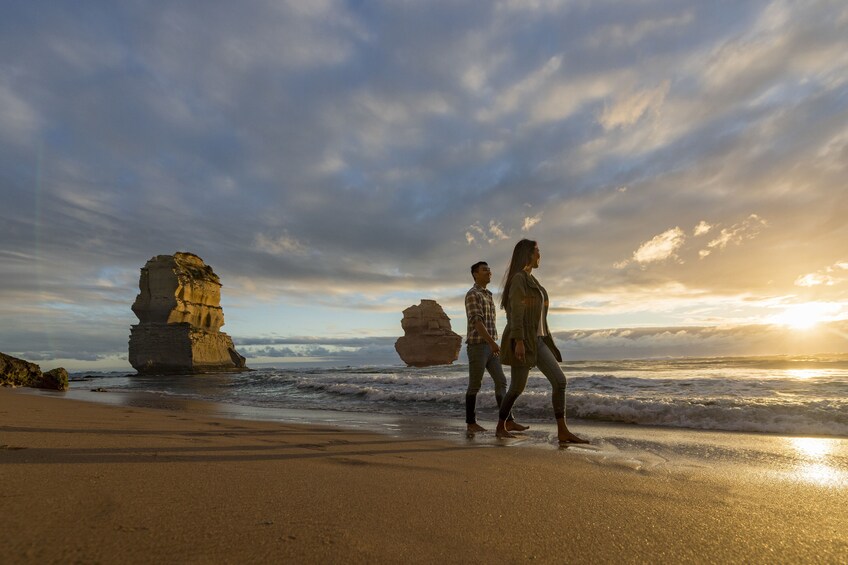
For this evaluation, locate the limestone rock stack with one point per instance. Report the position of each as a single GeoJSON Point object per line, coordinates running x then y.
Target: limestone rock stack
{"type": "Point", "coordinates": [428, 338]}
{"type": "Point", "coordinates": [180, 317]}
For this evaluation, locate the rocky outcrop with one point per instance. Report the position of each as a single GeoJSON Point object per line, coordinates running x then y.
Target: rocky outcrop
{"type": "Point", "coordinates": [55, 379]}
{"type": "Point", "coordinates": [428, 338]}
{"type": "Point", "coordinates": [180, 317]}
{"type": "Point", "coordinates": [17, 372]}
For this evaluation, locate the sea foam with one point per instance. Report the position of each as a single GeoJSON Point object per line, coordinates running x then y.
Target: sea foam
{"type": "Point", "coordinates": [748, 395]}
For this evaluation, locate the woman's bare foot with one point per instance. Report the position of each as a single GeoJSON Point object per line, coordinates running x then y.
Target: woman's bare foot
{"type": "Point", "coordinates": [513, 426]}
{"type": "Point", "coordinates": [569, 437]}
{"type": "Point", "coordinates": [501, 431]}
{"type": "Point", "coordinates": [564, 435]}
{"type": "Point", "coordinates": [475, 427]}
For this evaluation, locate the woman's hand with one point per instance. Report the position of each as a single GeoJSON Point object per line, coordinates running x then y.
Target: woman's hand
{"type": "Point", "coordinates": [519, 349]}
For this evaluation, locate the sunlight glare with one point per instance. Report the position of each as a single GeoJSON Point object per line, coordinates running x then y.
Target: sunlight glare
{"type": "Point", "coordinates": [805, 316]}
{"type": "Point", "coordinates": [812, 447]}
{"type": "Point", "coordinates": [814, 464]}
{"type": "Point", "coordinates": [804, 374]}
{"type": "Point", "coordinates": [821, 475]}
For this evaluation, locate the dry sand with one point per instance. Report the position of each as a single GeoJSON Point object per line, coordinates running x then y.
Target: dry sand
{"type": "Point", "coordinates": [90, 483]}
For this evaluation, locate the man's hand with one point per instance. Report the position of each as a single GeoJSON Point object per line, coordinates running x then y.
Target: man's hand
{"type": "Point", "coordinates": [481, 331]}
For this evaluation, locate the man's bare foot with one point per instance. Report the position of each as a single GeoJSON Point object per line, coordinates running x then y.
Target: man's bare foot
{"type": "Point", "coordinates": [474, 428]}
{"type": "Point", "coordinates": [569, 437]}
{"type": "Point", "coordinates": [513, 426]}
{"type": "Point", "coordinates": [502, 433]}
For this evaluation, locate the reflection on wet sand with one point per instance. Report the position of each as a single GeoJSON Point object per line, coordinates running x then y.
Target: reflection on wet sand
{"type": "Point", "coordinates": [816, 462]}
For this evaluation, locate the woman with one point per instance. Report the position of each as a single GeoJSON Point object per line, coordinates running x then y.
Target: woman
{"type": "Point", "coordinates": [526, 341]}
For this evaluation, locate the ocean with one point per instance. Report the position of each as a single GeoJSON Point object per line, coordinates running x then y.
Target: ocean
{"type": "Point", "coordinates": [779, 395]}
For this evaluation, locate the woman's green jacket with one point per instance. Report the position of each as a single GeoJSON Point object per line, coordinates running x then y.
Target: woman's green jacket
{"type": "Point", "coordinates": [526, 309]}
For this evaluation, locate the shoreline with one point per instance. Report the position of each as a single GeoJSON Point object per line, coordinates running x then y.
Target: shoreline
{"type": "Point", "coordinates": [632, 446]}
{"type": "Point", "coordinates": [95, 482]}
{"type": "Point", "coordinates": [716, 398]}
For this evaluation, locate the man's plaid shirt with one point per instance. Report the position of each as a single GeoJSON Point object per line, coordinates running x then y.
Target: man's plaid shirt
{"type": "Point", "coordinates": [480, 306]}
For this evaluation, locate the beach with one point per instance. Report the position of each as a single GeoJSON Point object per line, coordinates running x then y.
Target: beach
{"type": "Point", "coordinates": [90, 482]}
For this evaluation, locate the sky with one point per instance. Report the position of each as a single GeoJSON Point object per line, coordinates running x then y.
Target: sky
{"type": "Point", "coordinates": [682, 165]}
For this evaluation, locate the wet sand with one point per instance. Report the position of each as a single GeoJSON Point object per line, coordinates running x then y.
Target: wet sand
{"type": "Point", "coordinates": [86, 482]}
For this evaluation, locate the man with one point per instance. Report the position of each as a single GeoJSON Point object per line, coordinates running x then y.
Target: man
{"type": "Point", "coordinates": [482, 346]}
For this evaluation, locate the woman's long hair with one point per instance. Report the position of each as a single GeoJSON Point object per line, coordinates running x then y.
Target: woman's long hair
{"type": "Point", "coordinates": [521, 256]}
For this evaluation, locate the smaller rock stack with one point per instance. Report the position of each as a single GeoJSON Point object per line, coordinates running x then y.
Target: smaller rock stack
{"type": "Point", "coordinates": [180, 314]}
{"type": "Point", "coordinates": [17, 372]}
{"type": "Point", "coordinates": [428, 338]}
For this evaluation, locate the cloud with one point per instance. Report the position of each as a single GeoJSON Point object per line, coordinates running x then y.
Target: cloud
{"type": "Point", "coordinates": [563, 99]}
{"type": "Point", "coordinates": [815, 279]}
{"type": "Point", "coordinates": [658, 248]}
{"type": "Point", "coordinates": [697, 341]}
{"type": "Point", "coordinates": [18, 119]}
{"type": "Point", "coordinates": [628, 109]}
{"type": "Point", "coordinates": [829, 276]}
{"type": "Point", "coordinates": [626, 36]}
{"type": "Point", "coordinates": [702, 228]}
{"type": "Point", "coordinates": [279, 245]}
{"type": "Point", "coordinates": [661, 247]}
{"type": "Point", "coordinates": [514, 97]}
{"type": "Point", "coordinates": [535, 7]}
{"type": "Point", "coordinates": [754, 53]}
{"type": "Point", "coordinates": [735, 234]}
{"type": "Point", "coordinates": [496, 231]}
{"type": "Point", "coordinates": [358, 351]}
{"type": "Point", "coordinates": [531, 221]}
{"type": "Point", "coordinates": [666, 245]}
{"type": "Point", "coordinates": [491, 235]}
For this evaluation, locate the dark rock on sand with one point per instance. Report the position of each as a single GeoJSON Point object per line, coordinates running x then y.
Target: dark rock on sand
{"type": "Point", "coordinates": [18, 372]}
{"type": "Point", "coordinates": [56, 379]}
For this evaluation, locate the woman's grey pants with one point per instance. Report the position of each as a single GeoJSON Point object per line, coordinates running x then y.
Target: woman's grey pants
{"type": "Point", "coordinates": [549, 366]}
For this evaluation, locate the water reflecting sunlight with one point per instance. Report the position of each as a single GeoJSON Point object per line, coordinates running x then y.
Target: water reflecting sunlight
{"type": "Point", "coordinates": [816, 462]}
{"type": "Point", "coordinates": [804, 374]}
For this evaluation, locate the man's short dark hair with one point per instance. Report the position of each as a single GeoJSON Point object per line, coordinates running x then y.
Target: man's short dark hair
{"type": "Point", "coordinates": [476, 266]}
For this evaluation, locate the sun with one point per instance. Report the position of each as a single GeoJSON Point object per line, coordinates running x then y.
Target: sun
{"type": "Point", "coordinates": [804, 316]}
